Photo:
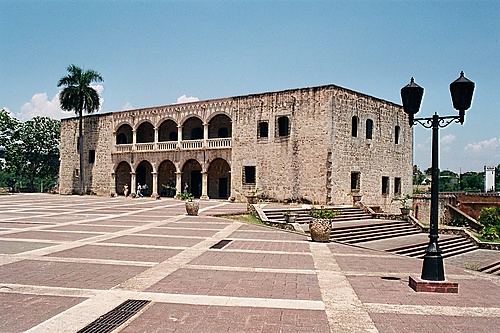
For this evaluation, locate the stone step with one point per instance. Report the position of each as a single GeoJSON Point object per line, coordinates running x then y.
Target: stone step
{"type": "Point", "coordinates": [493, 268]}
{"type": "Point", "coordinates": [451, 247]}
{"type": "Point", "coordinates": [377, 236]}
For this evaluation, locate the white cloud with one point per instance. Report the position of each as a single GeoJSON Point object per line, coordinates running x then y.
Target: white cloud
{"type": "Point", "coordinates": [447, 139]}
{"type": "Point", "coordinates": [41, 105]}
{"type": "Point", "coordinates": [185, 99]}
{"type": "Point", "coordinates": [127, 106]}
{"type": "Point", "coordinates": [486, 146]}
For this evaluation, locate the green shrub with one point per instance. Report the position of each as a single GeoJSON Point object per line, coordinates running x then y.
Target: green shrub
{"type": "Point", "coordinates": [323, 213]}
{"type": "Point", "coordinates": [489, 217]}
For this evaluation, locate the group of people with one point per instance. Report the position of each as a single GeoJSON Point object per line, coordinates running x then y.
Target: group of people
{"type": "Point", "coordinates": [140, 192]}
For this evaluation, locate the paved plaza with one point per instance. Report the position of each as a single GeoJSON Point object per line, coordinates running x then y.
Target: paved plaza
{"type": "Point", "coordinates": [65, 261]}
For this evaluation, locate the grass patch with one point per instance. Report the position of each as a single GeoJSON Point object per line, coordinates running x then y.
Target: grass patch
{"type": "Point", "coordinates": [248, 218]}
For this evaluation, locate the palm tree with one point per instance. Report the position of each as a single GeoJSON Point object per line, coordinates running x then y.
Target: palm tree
{"type": "Point", "coordinates": [79, 96]}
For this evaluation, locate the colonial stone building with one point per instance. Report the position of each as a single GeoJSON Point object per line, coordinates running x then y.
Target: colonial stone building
{"type": "Point", "coordinates": [315, 144]}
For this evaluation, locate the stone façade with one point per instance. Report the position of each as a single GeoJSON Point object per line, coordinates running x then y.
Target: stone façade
{"type": "Point", "coordinates": [315, 144]}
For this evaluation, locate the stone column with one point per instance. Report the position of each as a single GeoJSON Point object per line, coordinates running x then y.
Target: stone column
{"type": "Point", "coordinates": [204, 185]}
{"type": "Point", "coordinates": [179, 136]}
{"type": "Point", "coordinates": [205, 135]}
{"type": "Point", "coordinates": [178, 182]}
{"type": "Point", "coordinates": [134, 139]}
{"type": "Point", "coordinates": [133, 183]}
{"type": "Point", "coordinates": [112, 191]}
{"type": "Point", "coordinates": [154, 193]}
{"type": "Point", "coordinates": [156, 137]}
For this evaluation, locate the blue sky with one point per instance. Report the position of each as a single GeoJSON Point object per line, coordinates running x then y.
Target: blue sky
{"type": "Point", "coordinates": [152, 52]}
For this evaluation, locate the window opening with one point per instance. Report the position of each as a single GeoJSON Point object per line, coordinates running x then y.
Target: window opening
{"type": "Point", "coordinates": [91, 156]}
{"type": "Point", "coordinates": [355, 181]}
{"type": "Point", "coordinates": [197, 133]}
{"type": "Point", "coordinates": [397, 186]}
{"type": "Point", "coordinates": [369, 129]}
{"type": "Point", "coordinates": [283, 123]}
{"type": "Point", "coordinates": [354, 127]}
{"type": "Point", "coordinates": [249, 175]}
{"type": "Point", "coordinates": [385, 185]}
{"type": "Point", "coordinates": [396, 135]}
{"type": "Point", "coordinates": [263, 129]}
{"type": "Point", "coordinates": [223, 132]}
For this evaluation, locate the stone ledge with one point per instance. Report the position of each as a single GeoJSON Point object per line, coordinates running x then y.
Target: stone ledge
{"type": "Point", "coordinates": [420, 285]}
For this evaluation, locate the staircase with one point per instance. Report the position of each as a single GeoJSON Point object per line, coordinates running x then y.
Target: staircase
{"type": "Point", "coordinates": [451, 246]}
{"type": "Point", "coordinates": [348, 213]}
{"type": "Point", "coordinates": [352, 234]}
{"type": "Point", "coordinates": [493, 268]}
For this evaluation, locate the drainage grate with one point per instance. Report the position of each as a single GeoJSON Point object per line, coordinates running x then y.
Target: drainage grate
{"type": "Point", "coordinates": [114, 318]}
{"type": "Point", "coordinates": [221, 244]}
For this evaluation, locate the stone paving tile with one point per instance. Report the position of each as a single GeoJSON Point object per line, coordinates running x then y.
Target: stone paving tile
{"type": "Point", "coordinates": [474, 259]}
{"type": "Point", "coordinates": [82, 227]}
{"type": "Point", "coordinates": [155, 240]}
{"type": "Point", "coordinates": [67, 274]}
{"type": "Point", "coordinates": [178, 232]}
{"type": "Point", "coordinates": [13, 247]}
{"type": "Point", "coordinates": [240, 284]}
{"type": "Point", "coordinates": [261, 260]}
{"type": "Point", "coordinates": [179, 318]}
{"type": "Point", "coordinates": [396, 323]}
{"type": "Point", "coordinates": [350, 249]}
{"type": "Point", "coordinates": [14, 307]}
{"type": "Point", "coordinates": [269, 235]}
{"type": "Point", "coordinates": [20, 225]}
{"type": "Point", "coordinates": [472, 293]}
{"type": "Point", "coordinates": [116, 222]}
{"type": "Point", "coordinates": [196, 225]}
{"type": "Point", "coordinates": [56, 236]}
{"type": "Point", "coordinates": [117, 253]}
{"type": "Point", "coordinates": [268, 246]}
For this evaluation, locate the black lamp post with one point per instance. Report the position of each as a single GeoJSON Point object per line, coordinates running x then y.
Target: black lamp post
{"type": "Point", "coordinates": [461, 94]}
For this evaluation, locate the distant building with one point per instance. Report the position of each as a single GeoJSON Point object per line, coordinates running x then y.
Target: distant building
{"type": "Point", "coordinates": [489, 179]}
{"type": "Point", "coordinates": [315, 144]}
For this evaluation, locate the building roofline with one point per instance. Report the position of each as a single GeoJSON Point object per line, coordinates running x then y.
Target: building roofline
{"type": "Point", "coordinates": [253, 95]}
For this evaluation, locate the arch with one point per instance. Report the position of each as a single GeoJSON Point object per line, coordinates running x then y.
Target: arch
{"type": "Point", "coordinates": [219, 127]}
{"type": "Point", "coordinates": [191, 175]}
{"type": "Point", "coordinates": [144, 175]}
{"type": "Point", "coordinates": [124, 134]}
{"type": "Point", "coordinates": [145, 132]}
{"type": "Point", "coordinates": [166, 178]}
{"type": "Point", "coordinates": [123, 177]}
{"type": "Point", "coordinates": [167, 131]}
{"type": "Point", "coordinates": [192, 129]}
{"type": "Point", "coordinates": [397, 131]}
{"type": "Point", "coordinates": [354, 126]}
{"type": "Point", "coordinates": [369, 129]}
{"type": "Point", "coordinates": [219, 179]}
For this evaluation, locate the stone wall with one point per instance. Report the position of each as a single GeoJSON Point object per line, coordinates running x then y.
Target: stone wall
{"type": "Point", "coordinates": [310, 159]}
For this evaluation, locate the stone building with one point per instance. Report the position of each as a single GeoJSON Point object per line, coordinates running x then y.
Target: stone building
{"type": "Point", "coordinates": [316, 144]}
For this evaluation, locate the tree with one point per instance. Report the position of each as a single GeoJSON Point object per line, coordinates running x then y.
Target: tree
{"type": "Point", "coordinates": [33, 151]}
{"type": "Point", "coordinates": [418, 176]}
{"type": "Point", "coordinates": [79, 96]}
{"type": "Point", "coordinates": [472, 181]}
{"type": "Point", "coordinates": [8, 124]}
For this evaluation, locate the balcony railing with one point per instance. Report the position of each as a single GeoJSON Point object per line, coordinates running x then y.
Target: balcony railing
{"type": "Point", "coordinates": [220, 143]}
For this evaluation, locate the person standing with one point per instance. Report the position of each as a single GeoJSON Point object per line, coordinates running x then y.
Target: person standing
{"type": "Point", "coordinates": [138, 193]}
{"type": "Point", "coordinates": [125, 190]}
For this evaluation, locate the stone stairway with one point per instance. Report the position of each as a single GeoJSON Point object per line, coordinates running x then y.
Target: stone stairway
{"type": "Point", "coordinates": [493, 268]}
{"type": "Point", "coordinates": [377, 229]}
{"type": "Point", "coordinates": [348, 213]}
{"type": "Point", "coordinates": [450, 246]}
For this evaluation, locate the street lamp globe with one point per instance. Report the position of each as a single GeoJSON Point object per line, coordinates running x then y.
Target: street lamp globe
{"type": "Point", "coordinates": [411, 96]}
{"type": "Point", "coordinates": [461, 91]}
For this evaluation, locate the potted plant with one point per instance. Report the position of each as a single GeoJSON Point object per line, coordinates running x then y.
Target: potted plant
{"type": "Point", "coordinates": [290, 217]}
{"type": "Point", "coordinates": [404, 208]}
{"type": "Point", "coordinates": [252, 196]}
{"type": "Point", "coordinates": [320, 226]}
{"type": "Point", "coordinates": [192, 207]}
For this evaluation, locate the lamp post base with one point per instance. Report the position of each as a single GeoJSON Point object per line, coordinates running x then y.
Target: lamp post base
{"type": "Point", "coordinates": [420, 285]}
{"type": "Point", "coordinates": [433, 268]}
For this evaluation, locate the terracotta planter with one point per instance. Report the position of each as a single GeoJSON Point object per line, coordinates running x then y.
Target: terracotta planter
{"type": "Point", "coordinates": [192, 207]}
{"type": "Point", "coordinates": [252, 199]}
{"type": "Point", "coordinates": [320, 229]}
{"type": "Point", "coordinates": [291, 218]}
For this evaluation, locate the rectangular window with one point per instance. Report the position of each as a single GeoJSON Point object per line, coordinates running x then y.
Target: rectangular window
{"type": "Point", "coordinates": [355, 181]}
{"type": "Point", "coordinates": [385, 185]}
{"type": "Point", "coordinates": [91, 156]}
{"type": "Point", "coordinates": [397, 186]}
{"type": "Point", "coordinates": [263, 129]}
{"type": "Point", "coordinates": [249, 175]}
{"type": "Point", "coordinates": [283, 126]}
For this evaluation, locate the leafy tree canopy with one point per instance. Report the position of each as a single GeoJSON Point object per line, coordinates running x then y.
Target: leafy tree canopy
{"type": "Point", "coordinates": [7, 126]}
{"type": "Point", "coordinates": [33, 151]}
